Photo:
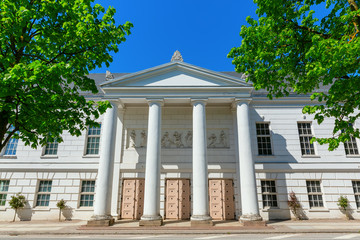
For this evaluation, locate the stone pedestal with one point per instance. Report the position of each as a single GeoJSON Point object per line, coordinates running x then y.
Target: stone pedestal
{"type": "Point", "coordinates": [202, 223]}
{"type": "Point", "coordinates": [100, 223]}
{"type": "Point", "coordinates": [151, 223]}
{"type": "Point", "coordinates": [253, 223]}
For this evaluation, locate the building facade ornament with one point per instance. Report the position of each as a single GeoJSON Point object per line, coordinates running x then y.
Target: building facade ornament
{"type": "Point", "coordinates": [109, 75]}
{"type": "Point", "coordinates": [177, 57]}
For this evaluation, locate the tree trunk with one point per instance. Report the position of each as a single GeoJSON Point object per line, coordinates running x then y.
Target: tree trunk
{"type": "Point", "coordinates": [15, 215]}
{"type": "Point", "coordinates": [59, 215]}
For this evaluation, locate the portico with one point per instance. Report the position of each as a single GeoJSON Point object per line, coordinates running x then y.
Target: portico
{"type": "Point", "coordinates": [178, 85]}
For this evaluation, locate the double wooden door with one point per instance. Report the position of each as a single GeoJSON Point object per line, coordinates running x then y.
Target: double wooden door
{"type": "Point", "coordinates": [177, 203]}
{"type": "Point", "coordinates": [132, 203]}
{"type": "Point", "coordinates": [221, 197]}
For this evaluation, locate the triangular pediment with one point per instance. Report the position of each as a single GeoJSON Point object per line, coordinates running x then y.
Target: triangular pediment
{"type": "Point", "coordinates": [176, 74]}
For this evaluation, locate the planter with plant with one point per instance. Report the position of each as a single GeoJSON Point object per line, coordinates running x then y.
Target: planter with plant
{"type": "Point", "coordinates": [17, 202]}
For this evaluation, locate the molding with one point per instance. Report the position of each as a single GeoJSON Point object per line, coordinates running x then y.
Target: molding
{"type": "Point", "coordinates": [167, 67]}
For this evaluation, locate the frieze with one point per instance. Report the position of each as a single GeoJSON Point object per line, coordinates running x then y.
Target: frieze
{"type": "Point", "coordinates": [178, 138]}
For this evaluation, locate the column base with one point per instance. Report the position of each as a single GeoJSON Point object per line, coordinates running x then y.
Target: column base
{"type": "Point", "coordinates": [100, 221]}
{"type": "Point", "coordinates": [151, 221]}
{"type": "Point", "coordinates": [201, 221]}
{"type": "Point", "coordinates": [252, 220]}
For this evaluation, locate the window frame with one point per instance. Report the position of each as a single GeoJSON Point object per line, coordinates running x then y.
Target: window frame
{"type": "Point", "coordinates": [4, 193]}
{"type": "Point", "coordinates": [50, 155]}
{"type": "Point", "coordinates": [87, 141]}
{"type": "Point", "coordinates": [38, 193]}
{"type": "Point", "coordinates": [269, 136]}
{"type": "Point", "coordinates": [357, 192]}
{"type": "Point", "coordinates": [307, 135]}
{"type": "Point", "coordinates": [81, 193]}
{"type": "Point", "coordinates": [269, 194]}
{"type": "Point", "coordinates": [315, 194]}
{"type": "Point", "coordinates": [3, 151]}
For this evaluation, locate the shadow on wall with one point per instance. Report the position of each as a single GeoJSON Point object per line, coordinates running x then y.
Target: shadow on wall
{"type": "Point", "coordinates": [25, 214]}
{"type": "Point", "coordinates": [68, 213]}
{"type": "Point", "coordinates": [282, 156]}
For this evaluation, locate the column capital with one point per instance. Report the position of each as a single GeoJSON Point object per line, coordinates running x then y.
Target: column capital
{"type": "Point", "coordinates": [159, 101]}
{"type": "Point", "coordinates": [238, 101]}
{"type": "Point", "coordinates": [198, 100]}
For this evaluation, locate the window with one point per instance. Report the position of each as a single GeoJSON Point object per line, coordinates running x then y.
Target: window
{"type": "Point", "coordinates": [263, 139]}
{"type": "Point", "coordinates": [356, 187]}
{"type": "Point", "coordinates": [43, 196]}
{"type": "Point", "coordinates": [268, 190]}
{"type": "Point", "coordinates": [51, 148]}
{"type": "Point", "coordinates": [10, 149]}
{"type": "Point", "coordinates": [4, 187]}
{"type": "Point", "coordinates": [305, 136]}
{"type": "Point", "coordinates": [314, 193]}
{"type": "Point", "coordinates": [93, 140]}
{"type": "Point", "coordinates": [87, 193]}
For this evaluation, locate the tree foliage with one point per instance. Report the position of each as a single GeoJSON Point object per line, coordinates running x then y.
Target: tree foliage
{"type": "Point", "coordinates": [47, 47]}
{"type": "Point", "coordinates": [288, 49]}
{"type": "Point", "coordinates": [17, 202]}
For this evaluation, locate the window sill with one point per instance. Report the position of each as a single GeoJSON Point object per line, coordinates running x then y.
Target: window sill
{"type": "Point", "coordinates": [84, 209]}
{"type": "Point", "coordinates": [352, 156]}
{"type": "Point", "coordinates": [48, 156]}
{"type": "Point", "coordinates": [271, 209]}
{"type": "Point", "coordinates": [310, 156]}
{"type": "Point", "coordinates": [266, 156]}
{"type": "Point", "coordinates": [91, 156]}
{"type": "Point", "coordinates": [319, 210]}
{"type": "Point", "coordinates": [3, 208]}
{"type": "Point", "coordinates": [8, 157]}
{"type": "Point", "coordinates": [41, 208]}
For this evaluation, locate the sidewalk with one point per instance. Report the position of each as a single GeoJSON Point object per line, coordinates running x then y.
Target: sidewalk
{"type": "Point", "coordinates": [77, 227]}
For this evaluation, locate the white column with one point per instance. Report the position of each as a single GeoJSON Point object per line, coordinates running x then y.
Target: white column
{"type": "Point", "coordinates": [119, 142]}
{"type": "Point", "coordinates": [249, 201]}
{"type": "Point", "coordinates": [102, 204]}
{"type": "Point", "coordinates": [200, 165]}
{"type": "Point", "coordinates": [152, 172]}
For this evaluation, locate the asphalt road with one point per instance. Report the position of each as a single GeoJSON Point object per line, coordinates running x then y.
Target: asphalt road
{"type": "Point", "coordinates": [317, 236]}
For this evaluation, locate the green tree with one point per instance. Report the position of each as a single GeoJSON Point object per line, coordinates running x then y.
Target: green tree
{"type": "Point", "coordinates": [47, 47]}
{"type": "Point", "coordinates": [61, 205]}
{"type": "Point", "coordinates": [16, 202]}
{"type": "Point", "coordinates": [288, 49]}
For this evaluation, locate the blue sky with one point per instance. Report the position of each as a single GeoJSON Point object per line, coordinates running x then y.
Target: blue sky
{"type": "Point", "coordinates": [203, 31]}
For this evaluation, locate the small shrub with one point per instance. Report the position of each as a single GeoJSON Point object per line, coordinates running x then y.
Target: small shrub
{"type": "Point", "coordinates": [294, 205]}
{"type": "Point", "coordinates": [18, 201]}
{"type": "Point", "coordinates": [343, 202]}
{"type": "Point", "coordinates": [61, 205]}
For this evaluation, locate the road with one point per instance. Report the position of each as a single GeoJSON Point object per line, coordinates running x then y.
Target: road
{"type": "Point", "coordinates": [317, 236]}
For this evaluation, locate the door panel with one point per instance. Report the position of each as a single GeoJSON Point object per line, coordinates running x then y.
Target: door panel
{"type": "Point", "coordinates": [184, 189]}
{"type": "Point", "coordinates": [172, 199]}
{"type": "Point", "coordinates": [221, 197]}
{"type": "Point", "coordinates": [177, 199]}
{"type": "Point", "coordinates": [132, 198]}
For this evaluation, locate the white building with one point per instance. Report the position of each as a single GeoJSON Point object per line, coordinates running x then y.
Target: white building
{"type": "Point", "coordinates": [185, 142]}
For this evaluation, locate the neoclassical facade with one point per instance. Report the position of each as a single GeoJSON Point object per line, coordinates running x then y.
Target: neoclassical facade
{"type": "Point", "coordinates": [184, 142]}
